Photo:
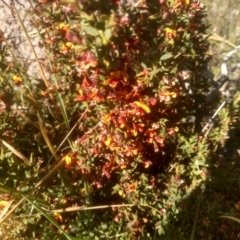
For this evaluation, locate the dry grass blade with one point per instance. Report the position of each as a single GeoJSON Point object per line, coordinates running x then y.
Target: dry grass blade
{"type": "Point", "coordinates": [231, 218]}
{"type": "Point", "coordinates": [10, 224]}
{"type": "Point", "coordinates": [72, 129]}
{"type": "Point", "coordinates": [45, 136]}
{"type": "Point", "coordinates": [17, 153]}
{"type": "Point", "coordinates": [216, 37]}
{"type": "Point", "coordinates": [12, 210]}
{"type": "Point", "coordinates": [5, 209]}
{"type": "Point", "coordinates": [73, 209]}
{"type": "Point", "coordinates": [31, 46]}
{"type": "Point", "coordinates": [51, 172]}
{"type": "Point", "coordinates": [50, 219]}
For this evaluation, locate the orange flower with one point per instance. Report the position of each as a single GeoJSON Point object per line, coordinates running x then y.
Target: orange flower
{"type": "Point", "coordinates": [131, 187]}
{"type": "Point", "coordinates": [113, 83]}
{"type": "Point", "coordinates": [116, 77]}
{"type": "Point", "coordinates": [160, 140]}
{"type": "Point", "coordinates": [134, 132]}
{"type": "Point", "coordinates": [108, 117]}
{"type": "Point", "coordinates": [147, 163]}
{"type": "Point", "coordinates": [166, 96]}
{"type": "Point", "coordinates": [131, 151]}
{"type": "Point", "coordinates": [138, 126]}
{"type": "Point", "coordinates": [86, 60]}
{"type": "Point", "coordinates": [44, 93]}
{"type": "Point", "coordinates": [73, 37]}
{"type": "Point", "coordinates": [184, 2]}
{"type": "Point", "coordinates": [181, 3]}
{"type": "Point", "coordinates": [114, 147]}
{"type": "Point", "coordinates": [121, 122]}
{"type": "Point", "coordinates": [172, 130]}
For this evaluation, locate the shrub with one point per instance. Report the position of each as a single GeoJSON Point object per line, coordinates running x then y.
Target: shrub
{"type": "Point", "coordinates": [127, 86]}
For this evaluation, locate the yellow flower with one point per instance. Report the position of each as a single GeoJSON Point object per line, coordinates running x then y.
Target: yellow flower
{"type": "Point", "coordinates": [143, 106]}
{"type": "Point", "coordinates": [121, 193]}
{"type": "Point", "coordinates": [66, 47]}
{"type": "Point", "coordinates": [170, 32]}
{"type": "Point", "coordinates": [3, 204]}
{"type": "Point", "coordinates": [174, 95]}
{"type": "Point", "coordinates": [69, 45]}
{"type": "Point", "coordinates": [58, 217]}
{"type": "Point", "coordinates": [17, 79]}
{"type": "Point", "coordinates": [83, 191]}
{"type": "Point", "coordinates": [108, 141]}
{"type": "Point", "coordinates": [68, 160]}
{"type": "Point", "coordinates": [64, 27]}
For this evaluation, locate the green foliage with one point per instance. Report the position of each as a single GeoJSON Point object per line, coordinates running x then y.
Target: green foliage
{"type": "Point", "coordinates": [123, 109]}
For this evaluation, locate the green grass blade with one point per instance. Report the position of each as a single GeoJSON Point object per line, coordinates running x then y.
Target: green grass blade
{"type": "Point", "coordinates": [50, 219]}
{"type": "Point", "coordinates": [64, 112]}
{"type": "Point", "coordinates": [18, 194]}
{"type": "Point", "coordinates": [195, 222]}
